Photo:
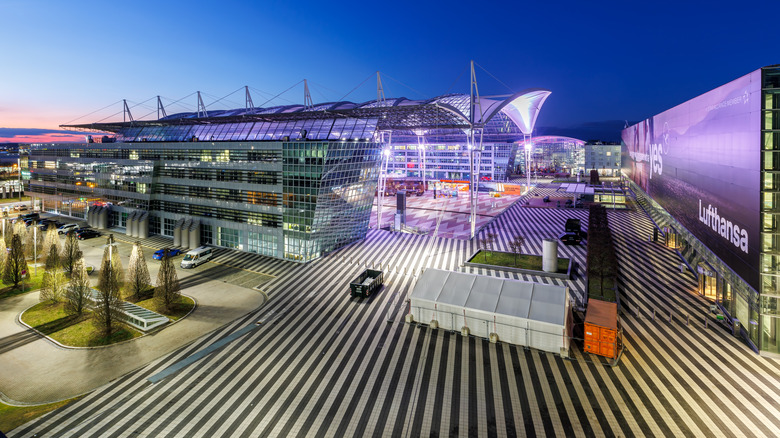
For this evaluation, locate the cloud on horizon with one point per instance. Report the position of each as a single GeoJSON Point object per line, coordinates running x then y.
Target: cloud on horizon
{"type": "Point", "coordinates": [37, 135]}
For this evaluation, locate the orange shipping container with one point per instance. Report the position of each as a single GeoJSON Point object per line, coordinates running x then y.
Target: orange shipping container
{"type": "Point", "coordinates": [601, 326]}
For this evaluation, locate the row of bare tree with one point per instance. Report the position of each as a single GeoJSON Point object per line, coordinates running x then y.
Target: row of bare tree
{"type": "Point", "coordinates": [488, 242]}
{"type": "Point", "coordinates": [602, 263]}
{"type": "Point", "coordinates": [66, 279]}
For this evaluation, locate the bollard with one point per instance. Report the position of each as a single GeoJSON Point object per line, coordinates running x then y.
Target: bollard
{"type": "Point", "coordinates": [706, 322]}
{"type": "Point", "coordinates": [687, 320]}
{"type": "Point", "coordinates": [671, 316]}
{"type": "Point", "coordinates": [653, 314]}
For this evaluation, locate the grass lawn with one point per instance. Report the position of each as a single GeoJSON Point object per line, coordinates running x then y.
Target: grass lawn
{"type": "Point", "coordinates": [74, 331]}
{"type": "Point", "coordinates": [12, 417]}
{"type": "Point", "coordinates": [524, 261]}
{"type": "Point", "coordinates": [32, 282]}
{"type": "Point", "coordinates": [180, 309]}
{"type": "Point", "coordinates": [14, 201]}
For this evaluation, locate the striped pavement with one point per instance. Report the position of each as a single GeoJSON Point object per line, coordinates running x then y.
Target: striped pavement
{"type": "Point", "coordinates": [321, 364]}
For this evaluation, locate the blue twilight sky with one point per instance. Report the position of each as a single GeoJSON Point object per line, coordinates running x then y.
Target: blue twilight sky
{"type": "Point", "coordinates": [603, 61]}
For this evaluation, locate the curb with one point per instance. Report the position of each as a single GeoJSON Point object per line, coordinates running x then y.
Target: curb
{"type": "Point", "coordinates": [97, 347]}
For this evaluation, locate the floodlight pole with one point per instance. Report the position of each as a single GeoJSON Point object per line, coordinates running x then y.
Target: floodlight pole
{"type": "Point", "coordinates": [475, 105]}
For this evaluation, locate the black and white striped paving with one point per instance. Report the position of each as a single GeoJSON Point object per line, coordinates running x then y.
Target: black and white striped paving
{"type": "Point", "coordinates": [320, 364]}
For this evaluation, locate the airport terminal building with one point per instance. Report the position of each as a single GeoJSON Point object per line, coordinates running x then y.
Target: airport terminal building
{"type": "Point", "coordinates": [709, 172]}
{"type": "Point", "coordinates": [292, 182]}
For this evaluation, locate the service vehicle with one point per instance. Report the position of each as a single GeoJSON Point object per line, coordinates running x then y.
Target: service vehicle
{"type": "Point", "coordinates": [196, 257]}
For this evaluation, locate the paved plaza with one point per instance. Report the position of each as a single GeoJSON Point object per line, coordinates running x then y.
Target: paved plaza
{"type": "Point", "coordinates": [313, 362]}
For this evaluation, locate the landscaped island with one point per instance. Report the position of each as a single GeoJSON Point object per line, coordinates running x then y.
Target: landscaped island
{"type": "Point", "coordinates": [519, 262]}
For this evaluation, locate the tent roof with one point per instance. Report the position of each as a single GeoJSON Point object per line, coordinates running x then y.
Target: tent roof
{"type": "Point", "coordinates": [539, 302]}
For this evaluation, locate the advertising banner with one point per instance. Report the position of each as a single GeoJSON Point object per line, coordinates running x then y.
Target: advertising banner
{"type": "Point", "coordinates": [701, 162]}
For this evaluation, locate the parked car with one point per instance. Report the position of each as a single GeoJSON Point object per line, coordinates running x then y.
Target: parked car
{"type": "Point", "coordinates": [172, 252]}
{"type": "Point", "coordinates": [86, 233]}
{"type": "Point", "coordinates": [196, 257]}
{"type": "Point", "coordinates": [20, 207]}
{"type": "Point", "coordinates": [570, 238]}
{"type": "Point", "coordinates": [63, 229]}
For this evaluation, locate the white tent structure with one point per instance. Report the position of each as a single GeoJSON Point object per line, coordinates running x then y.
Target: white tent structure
{"type": "Point", "coordinates": [517, 312]}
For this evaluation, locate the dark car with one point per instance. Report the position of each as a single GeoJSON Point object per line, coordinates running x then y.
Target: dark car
{"type": "Point", "coordinates": [172, 252]}
{"type": "Point", "coordinates": [570, 238]}
{"type": "Point", "coordinates": [86, 233]}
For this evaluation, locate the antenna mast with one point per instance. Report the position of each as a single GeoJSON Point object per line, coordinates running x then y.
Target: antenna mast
{"type": "Point", "coordinates": [160, 109]}
{"type": "Point", "coordinates": [307, 103]}
{"type": "Point", "coordinates": [201, 107]}
{"type": "Point", "coordinates": [126, 114]}
{"type": "Point", "coordinates": [380, 90]}
{"type": "Point", "coordinates": [249, 104]}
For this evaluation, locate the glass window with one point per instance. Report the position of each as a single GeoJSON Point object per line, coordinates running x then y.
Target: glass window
{"type": "Point", "coordinates": [228, 237]}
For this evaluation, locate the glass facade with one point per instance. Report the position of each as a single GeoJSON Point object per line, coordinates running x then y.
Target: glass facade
{"type": "Point", "coordinates": [328, 194]}
{"type": "Point", "coordinates": [770, 213]}
{"type": "Point", "coordinates": [553, 154]}
{"type": "Point", "coordinates": [295, 200]}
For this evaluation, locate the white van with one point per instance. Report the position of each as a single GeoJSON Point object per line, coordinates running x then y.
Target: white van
{"type": "Point", "coordinates": [195, 257]}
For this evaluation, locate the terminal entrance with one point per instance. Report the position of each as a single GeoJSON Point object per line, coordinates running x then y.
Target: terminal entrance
{"type": "Point", "coordinates": [673, 239]}
{"type": "Point", "coordinates": [708, 281]}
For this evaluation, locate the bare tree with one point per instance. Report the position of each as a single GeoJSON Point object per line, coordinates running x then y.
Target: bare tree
{"type": "Point", "coordinates": [107, 310]}
{"type": "Point", "coordinates": [78, 288]}
{"type": "Point", "coordinates": [516, 245]}
{"type": "Point", "coordinates": [53, 283]}
{"type": "Point", "coordinates": [50, 238]}
{"type": "Point", "coordinates": [3, 253]}
{"type": "Point", "coordinates": [70, 252]}
{"type": "Point", "coordinates": [138, 279]}
{"type": "Point", "coordinates": [487, 243]}
{"type": "Point", "coordinates": [168, 289]}
{"type": "Point", "coordinates": [19, 230]}
{"type": "Point", "coordinates": [16, 264]}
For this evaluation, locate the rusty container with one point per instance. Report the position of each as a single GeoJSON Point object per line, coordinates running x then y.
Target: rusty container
{"type": "Point", "coordinates": [601, 328]}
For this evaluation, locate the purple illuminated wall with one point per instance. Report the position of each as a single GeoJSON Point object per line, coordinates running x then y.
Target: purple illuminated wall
{"type": "Point", "coordinates": [701, 156]}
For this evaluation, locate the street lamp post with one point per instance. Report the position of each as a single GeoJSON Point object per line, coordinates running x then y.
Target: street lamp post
{"type": "Point", "coordinates": [19, 172]}
{"type": "Point", "coordinates": [35, 245]}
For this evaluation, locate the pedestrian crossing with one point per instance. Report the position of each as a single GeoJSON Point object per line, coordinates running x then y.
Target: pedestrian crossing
{"type": "Point", "coordinates": [323, 364]}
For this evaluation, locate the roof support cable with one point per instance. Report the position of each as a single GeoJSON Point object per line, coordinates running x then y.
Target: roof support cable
{"type": "Point", "coordinates": [410, 88]}
{"type": "Point", "coordinates": [358, 86]}
{"type": "Point", "coordinates": [224, 97]}
{"type": "Point", "coordinates": [93, 112]}
{"type": "Point", "coordinates": [291, 87]}
{"type": "Point", "coordinates": [497, 79]}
